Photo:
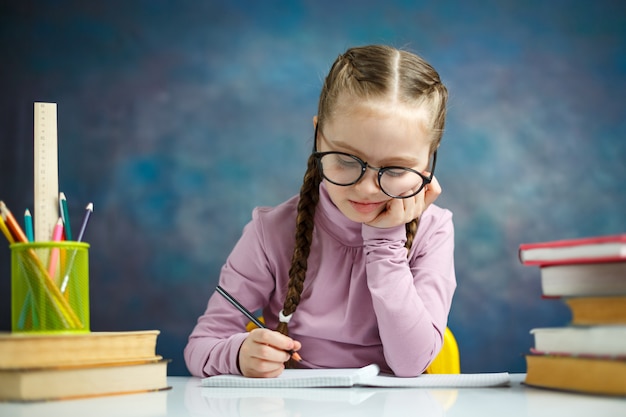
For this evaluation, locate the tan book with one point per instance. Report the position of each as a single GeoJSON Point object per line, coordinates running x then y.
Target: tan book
{"type": "Point", "coordinates": [19, 350]}
{"type": "Point", "coordinates": [597, 310]}
{"type": "Point", "coordinates": [80, 381]}
{"type": "Point", "coordinates": [577, 373]}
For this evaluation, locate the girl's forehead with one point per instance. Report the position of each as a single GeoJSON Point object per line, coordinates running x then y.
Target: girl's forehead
{"type": "Point", "coordinates": [384, 118]}
{"type": "Point", "coordinates": [348, 110]}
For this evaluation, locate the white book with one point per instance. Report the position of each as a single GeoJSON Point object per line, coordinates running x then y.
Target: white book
{"type": "Point", "coordinates": [368, 376]}
{"type": "Point", "coordinates": [590, 279]}
{"type": "Point", "coordinates": [574, 340]}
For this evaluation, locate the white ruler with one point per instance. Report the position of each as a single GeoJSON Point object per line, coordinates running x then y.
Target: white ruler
{"type": "Point", "coordinates": [46, 171]}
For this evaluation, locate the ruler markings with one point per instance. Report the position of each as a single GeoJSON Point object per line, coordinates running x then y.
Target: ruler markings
{"type": "Point", "coordinates": [46, 171]}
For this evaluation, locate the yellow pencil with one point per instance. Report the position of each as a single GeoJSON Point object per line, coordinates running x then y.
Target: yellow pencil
{"type": "Point", "coordinates": [12, 224]}
{"type": "Point", "coordinates": [5, 231]}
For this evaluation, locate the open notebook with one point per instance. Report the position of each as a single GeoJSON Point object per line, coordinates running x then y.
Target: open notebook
{"type": "Point", "coordinates": [368, 376]}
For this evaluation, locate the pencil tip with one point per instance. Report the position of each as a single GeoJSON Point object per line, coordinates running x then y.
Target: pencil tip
{"type": "Point", "coordinates": [295, 356]}
{"type": "Point", "coordinates": [90, 206]}
{"type": "Point", "coordinates": [27, 212]}
{"type": "Point", "coordinates": [60, 222]}
{"type": "Point", "coordinates": [62, 196]}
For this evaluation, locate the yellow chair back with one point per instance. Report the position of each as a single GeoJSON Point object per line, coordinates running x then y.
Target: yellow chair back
{"type": "Point", "coordinates": [448, 361]}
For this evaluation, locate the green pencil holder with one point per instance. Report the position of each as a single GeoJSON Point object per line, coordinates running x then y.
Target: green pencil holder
{"type": "Point", "coordinates": [50, 287]}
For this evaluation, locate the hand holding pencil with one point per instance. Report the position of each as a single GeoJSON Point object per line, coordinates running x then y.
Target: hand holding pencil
{"type": "Point", "coordinates": [264, 352]}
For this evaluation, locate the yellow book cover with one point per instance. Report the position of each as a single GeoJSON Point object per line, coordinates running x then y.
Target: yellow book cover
{"type": "Point", "coordinates": [583, 374]}
{"type": "Point", "coordinates": [597, 310]}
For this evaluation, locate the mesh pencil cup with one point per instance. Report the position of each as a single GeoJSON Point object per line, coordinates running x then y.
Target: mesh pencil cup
{"type": "Point", "coordinates": [50, 287]}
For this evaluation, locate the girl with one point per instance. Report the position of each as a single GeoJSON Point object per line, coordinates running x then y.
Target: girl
{"type": "Point", "coordinates": [361, 283]}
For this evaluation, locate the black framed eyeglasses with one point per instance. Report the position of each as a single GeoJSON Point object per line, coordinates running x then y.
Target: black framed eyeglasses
{"type": "Point", "coordinates": [344, 169]}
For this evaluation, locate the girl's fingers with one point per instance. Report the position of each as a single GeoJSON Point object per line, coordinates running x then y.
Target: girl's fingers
{"type": "Point", "coordinates": [263, 353]}
{"type": "Point", "coordinates": [401, 211]}
{"type": "Point", "coordinates": [432, 191]}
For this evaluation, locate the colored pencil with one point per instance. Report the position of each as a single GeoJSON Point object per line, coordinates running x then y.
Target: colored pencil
{"type": "Point", "coordinates": [12, 224]}
{"type": "Point", "coordinates": [65, 215]}
{"type": "Point", "coordinates": [251, 316]}
{"type": "Point", "coordinates": [81, 233]}
{"type": "Point", "coordinates": [5, 230]}
{"type": "Point", "coordinates": [57, 234]}
{"type": "Point", "coordinates": [28, 225]}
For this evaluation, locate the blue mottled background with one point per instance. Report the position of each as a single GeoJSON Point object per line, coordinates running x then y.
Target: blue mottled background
{"type": "Point", "coordinates": [176, 118]}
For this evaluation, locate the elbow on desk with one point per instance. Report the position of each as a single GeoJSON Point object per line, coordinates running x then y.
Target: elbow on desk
{"type": "Point", "coordinates": [411, 366]}
{"type": "Point", "coordinates": [442, 357]}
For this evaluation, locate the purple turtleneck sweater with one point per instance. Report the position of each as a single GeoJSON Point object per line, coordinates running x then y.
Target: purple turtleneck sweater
{"type": "Point", "coordinates": [363, 300]}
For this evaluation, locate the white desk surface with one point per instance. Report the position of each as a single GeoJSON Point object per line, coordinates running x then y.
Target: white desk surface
{"type": "Point", "coordinates": [187, 398]}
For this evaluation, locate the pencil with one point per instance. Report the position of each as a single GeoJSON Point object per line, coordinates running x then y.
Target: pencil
{"type": "Point", "coordinates": [57, 234]}
{"type": "Point", "coordinates": [12, 224]}
{"type": "Point", "coordinates": [294, 355]}
{"type": "Point", "coordinates": [5, 230]}
{"type": "Point", "coordinates": [81, 233]}
{"type": "Point", "coordinates": [28, 225]}
{"type": "Point", "coordinates": [65, 215]}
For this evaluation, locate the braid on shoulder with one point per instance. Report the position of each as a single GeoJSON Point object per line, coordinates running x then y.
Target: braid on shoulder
{"type": "Point", "coordinates": [309, 197]}
{"type": "Point", "coordinates": [411, 230]}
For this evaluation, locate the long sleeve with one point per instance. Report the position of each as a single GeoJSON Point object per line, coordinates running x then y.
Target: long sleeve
{"type": "Point", "coordinates": [411, 296]}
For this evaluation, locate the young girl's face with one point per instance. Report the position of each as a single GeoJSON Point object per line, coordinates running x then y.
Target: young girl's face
{"type": "Point", "coordinates": [381, 134]}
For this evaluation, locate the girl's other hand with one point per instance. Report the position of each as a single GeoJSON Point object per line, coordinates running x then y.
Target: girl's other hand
{"type": "Point", "coordinates": [400, 211]}
{"type": "Point", "coordinates": [263, 353]}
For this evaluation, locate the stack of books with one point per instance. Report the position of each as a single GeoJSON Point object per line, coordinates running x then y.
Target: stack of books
{"type": "Point", "coordinates": [43, 367]}
{"type": "Point", "coordinates": [589, 354]}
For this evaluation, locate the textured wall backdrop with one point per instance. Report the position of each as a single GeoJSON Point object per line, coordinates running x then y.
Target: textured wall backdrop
{"type": "Point", "coordinates": [176, 118]}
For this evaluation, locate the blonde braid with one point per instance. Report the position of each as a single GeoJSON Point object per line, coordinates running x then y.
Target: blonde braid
{"type": "Point", "coordinates": [309, 197]}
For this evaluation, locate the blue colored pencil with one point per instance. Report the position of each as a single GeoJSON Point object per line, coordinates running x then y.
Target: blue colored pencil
{"type": "Point", "coordinates": [28, 226]}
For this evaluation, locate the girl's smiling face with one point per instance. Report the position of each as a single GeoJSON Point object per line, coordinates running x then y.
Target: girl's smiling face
{"type": "Point", "coordinates": [381, 134]}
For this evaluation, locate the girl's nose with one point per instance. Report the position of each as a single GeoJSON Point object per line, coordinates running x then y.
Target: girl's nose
{"type": "Point", "coordinates": [368, 184]}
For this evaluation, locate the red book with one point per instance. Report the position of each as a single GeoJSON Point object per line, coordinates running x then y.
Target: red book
{"type": "Point", "coordinates": [574, 251]}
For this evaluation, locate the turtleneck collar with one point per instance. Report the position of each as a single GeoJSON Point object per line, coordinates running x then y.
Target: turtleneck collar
{"type": "Point", "coordinates": [335, 223]}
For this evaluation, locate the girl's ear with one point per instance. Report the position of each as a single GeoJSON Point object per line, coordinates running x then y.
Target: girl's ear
{"type": "Point", "coordinates": [315, 121]}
